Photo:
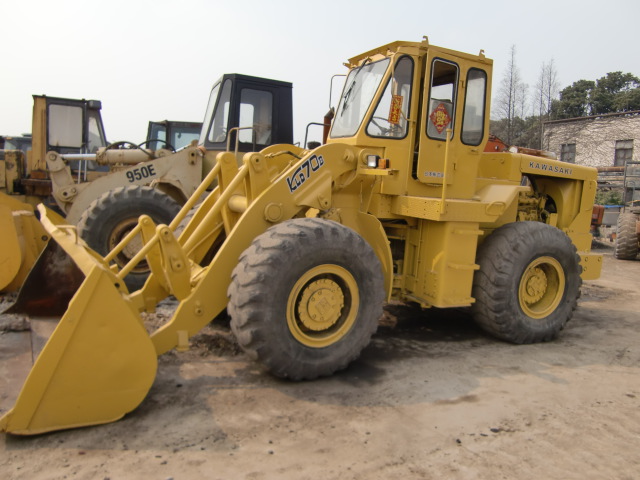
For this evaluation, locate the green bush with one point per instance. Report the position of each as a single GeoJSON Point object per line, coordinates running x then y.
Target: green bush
{"type": "Point", "coordinates": [608, 197]}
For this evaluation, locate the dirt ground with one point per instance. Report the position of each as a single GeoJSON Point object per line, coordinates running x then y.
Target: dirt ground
{"type": "Point", "coordinates": [432, 397]}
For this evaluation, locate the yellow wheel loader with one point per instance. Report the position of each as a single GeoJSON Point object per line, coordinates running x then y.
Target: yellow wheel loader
{"type": "Point", "coordinates": [303, 247]}
{"type": "Point", "coordinates": [104, 188]}
{"type": "Point", "coordinates": [65, 125]}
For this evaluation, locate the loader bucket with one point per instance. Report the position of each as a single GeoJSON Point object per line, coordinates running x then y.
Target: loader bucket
{"type": "Point", "coordinates": [98, 364]}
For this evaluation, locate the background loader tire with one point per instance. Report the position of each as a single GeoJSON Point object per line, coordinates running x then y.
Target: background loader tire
{"type": "Point", "coordinates": [112, 215]}
{"type": "Point", "coordinates": [626, 247]}
{"type": "Point", "coordinates": [528, 283]}
{"type": "Point", "coordinates": [306, 297]}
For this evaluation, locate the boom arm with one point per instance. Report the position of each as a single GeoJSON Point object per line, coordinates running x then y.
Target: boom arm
{"type": "Point", "coordinates": [303, 184]}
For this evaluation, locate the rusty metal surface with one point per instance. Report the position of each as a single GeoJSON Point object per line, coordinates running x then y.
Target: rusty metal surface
{"type": "Point", "coordinates": [52, 282]}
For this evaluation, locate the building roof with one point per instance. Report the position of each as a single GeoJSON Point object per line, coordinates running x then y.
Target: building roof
{"type": "Point", "coordinates": [631, 113]}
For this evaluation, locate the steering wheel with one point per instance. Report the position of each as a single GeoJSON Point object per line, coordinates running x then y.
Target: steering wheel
{"type": "Point", "coordinates": [121, 145]}
{"type": "Point", "coordinates": [167, 145]}
{"type": "Point", "coordinates": [124, 145]}
{"type": "Point", "coordinates": [384, 131]}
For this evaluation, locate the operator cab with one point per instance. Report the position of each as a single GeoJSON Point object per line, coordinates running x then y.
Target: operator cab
{"type": "Point", "coordinates": [404, 99]}
{"type": "Point", "coordinates": [73, 126]}
{"type": "Point", "coordinates": [171, 134]}
{"type": "Point", "coordinates": [65, 126]}
{"type": "Point", "coordinates": [250, 111]}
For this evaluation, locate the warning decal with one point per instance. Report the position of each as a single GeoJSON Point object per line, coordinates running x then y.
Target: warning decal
{"type": "Point", "coordinates": [440, 118]}
{"type": "Point", "coordinates": [395, 109]}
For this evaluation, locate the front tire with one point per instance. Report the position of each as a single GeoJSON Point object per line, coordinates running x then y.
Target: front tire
{"type": "Point", "coordinates": [528, 283]}
{"type": "Point", "coordinates": [306, 297]}
{"type": "Point", "coordinates": [114, 214]}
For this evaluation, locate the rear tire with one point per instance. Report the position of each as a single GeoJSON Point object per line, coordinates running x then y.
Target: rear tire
{"type": "Point", "coordinates": [306, 297]}
{"type": "Point", "coordinates": [528, 283]}
{"type": "Point", "coordinates": [112, 215]}
{"type": "Point", "coordinates": [626, 247]}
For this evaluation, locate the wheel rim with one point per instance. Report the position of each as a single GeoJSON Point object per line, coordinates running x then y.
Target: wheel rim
{"type": "Point", "coordinates": [541, 287]}
{"type": "Point", "coordinates": [120, 231]}
{"type": "Point", "coordinates": [322, 306]}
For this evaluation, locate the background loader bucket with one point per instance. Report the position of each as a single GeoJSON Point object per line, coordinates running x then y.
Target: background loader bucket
{"type": "Point", "coordinates": [98, 365]}
{"type": "Point", "coordinates": [22, 240]}
{"type": "Point", "coordinates": [11, 252]}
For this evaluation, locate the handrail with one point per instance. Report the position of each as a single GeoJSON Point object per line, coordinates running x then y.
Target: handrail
{"type": "Point", "coordinates": [444, 173]}
{"type": "Point", "coordinates": [306, 133]}
{"type": "Point", "coordinates": [237, 129]}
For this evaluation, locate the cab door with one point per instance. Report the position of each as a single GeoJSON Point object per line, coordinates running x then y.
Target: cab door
{"type": "Point", "coordinates": [439, 116]}
{"type": "Point", "coordinates": [455, 101]}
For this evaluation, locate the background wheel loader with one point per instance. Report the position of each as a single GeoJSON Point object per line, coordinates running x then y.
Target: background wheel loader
{"type": "Point", "coordinates": [104, 188]}
{"type": "Point", "coordinates": [58, 124]}
{"type": "Point", "coordinates": [67, 127]}
{"type": "Point", "coordinates": [171, 134]}
{"type": "Point", "coordinates": [303, 247]}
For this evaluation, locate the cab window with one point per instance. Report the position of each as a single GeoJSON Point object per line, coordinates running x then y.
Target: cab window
{"type": "Point", "coordinates": [96, 136]}
{"type": "Point", "coordinates": [157, 136]}
{"type": "Point", "coordinates": [390, 118]}
{"type": "Point", "coordinates": [474, 107]}
{"type": "Point", "coordinates": [442, 96]}
{"type": "Point", "coordinates": [182, 136]}
{"type": "Point", "coordinates": [256, 116]}
{"type": "Point", "coordinates": [65, 126]}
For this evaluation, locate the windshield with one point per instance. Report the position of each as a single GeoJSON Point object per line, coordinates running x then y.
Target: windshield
{"type": "Point", "coordinates": [214, 127]}
{"type": "Point", "coordinates": [96, 132]}
{"type": "Point", "coordinates": [207, 116]}
{"type": "Point", "coordinates": [182, 135]}
{"type": "Point", "coordinates": [359, 90]}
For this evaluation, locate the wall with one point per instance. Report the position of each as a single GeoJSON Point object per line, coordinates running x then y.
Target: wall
{"type": "Point", "coordinates": [595, 137]}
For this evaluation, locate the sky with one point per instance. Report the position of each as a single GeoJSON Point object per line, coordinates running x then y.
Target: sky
{"type": "Point", "coordinates": [158, 59]}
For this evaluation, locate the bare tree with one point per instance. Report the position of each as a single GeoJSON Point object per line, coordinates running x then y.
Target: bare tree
{"type": "Point", "coordinates": [552, 85]}
{"type": "Point", "coordinates": [512, 96]}
{"type": "Point", "coordinates": [522, 100]}
{"type": "Point", "coordinates": [546, 90]}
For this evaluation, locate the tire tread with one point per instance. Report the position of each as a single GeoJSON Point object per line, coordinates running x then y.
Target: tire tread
{"type": "Point", "coordinates": [248, 299]}
{"type": "Point", "coordinates": [493, 287]}
{"type": "Point", "coordinates": [626, 246]}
